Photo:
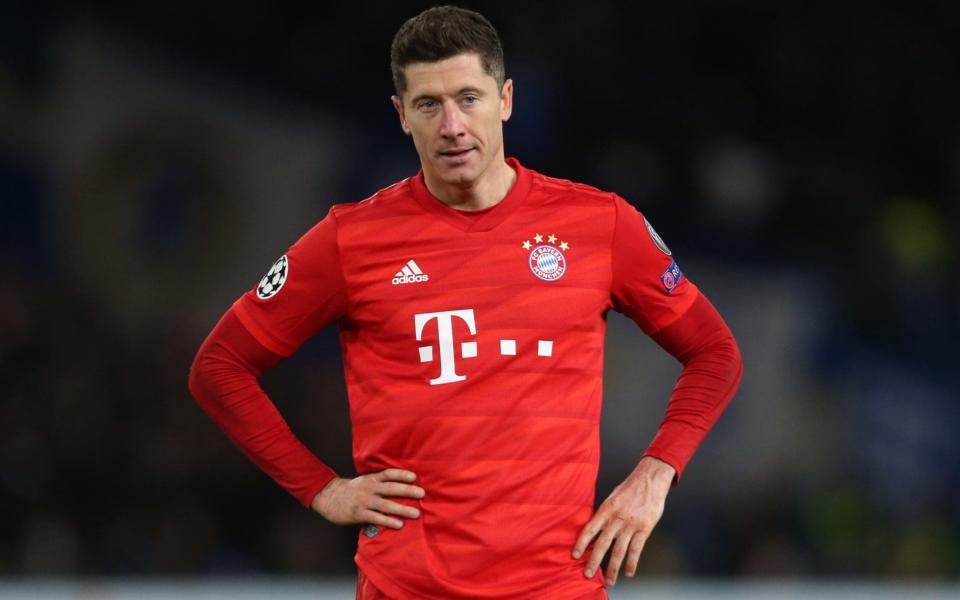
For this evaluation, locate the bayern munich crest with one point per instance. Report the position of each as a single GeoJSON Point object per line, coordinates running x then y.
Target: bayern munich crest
{"type": "Point", "coordinates": [547, 260]}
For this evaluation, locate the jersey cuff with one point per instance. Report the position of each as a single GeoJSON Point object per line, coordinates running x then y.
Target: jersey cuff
{"type": "Point", "coordinates": [311, 492]}
{"type": "Point", "coordinates": [670, 459]}
{"type": "Point", "coordinates": [258, 332]}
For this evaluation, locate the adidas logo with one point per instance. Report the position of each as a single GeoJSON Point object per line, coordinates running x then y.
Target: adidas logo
{"type": "Point", "coordinates": [410, 273]}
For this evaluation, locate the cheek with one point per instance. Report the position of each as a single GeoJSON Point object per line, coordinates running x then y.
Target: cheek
{"type": "Point", "coordinates": [420, 134]}
{"type": "Point", "coordinates": [424, 141]}
{"type": "Point", "coordinates": [494, 124]}
{"type": "Point", "coordinates": [494, 129]}
{"type": "Point", "coordinates": [428, 130]}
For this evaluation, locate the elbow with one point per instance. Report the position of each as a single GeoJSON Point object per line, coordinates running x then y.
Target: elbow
{"type": "Point", "coordinates": [721, 350]}
{"type": "Point", "coordinates": [730, 350]}
{"type": "Point", "coordinates": [196, 379]}
{"type": "Point", "coordinates": [201, 381]}
{"type": "Point", "coordinates": [228, 362]}
{"type": "Point", "coordinates": [722, 358]}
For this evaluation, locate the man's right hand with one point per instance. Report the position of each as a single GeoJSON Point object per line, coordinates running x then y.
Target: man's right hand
{"type": "Point", "coordinates": [366, 499]}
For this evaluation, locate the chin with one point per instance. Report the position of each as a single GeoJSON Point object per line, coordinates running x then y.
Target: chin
{"type": "Point", "coordinates": [461, 178]}
{"type": "Point", "coordinates": [459, 175]}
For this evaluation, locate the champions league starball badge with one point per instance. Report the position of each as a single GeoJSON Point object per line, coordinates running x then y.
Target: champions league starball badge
{"type": "Point", "coordinates": [273, 280]}
{"type": "Point", "coordinates": [547, 260]}
{"type": "Point", "coordinates": [657, 240]}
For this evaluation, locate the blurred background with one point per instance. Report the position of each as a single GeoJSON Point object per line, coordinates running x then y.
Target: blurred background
{"type": "Point", "coordinates": [802, 160]}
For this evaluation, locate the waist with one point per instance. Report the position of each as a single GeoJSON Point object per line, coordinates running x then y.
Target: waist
{"type": "Point", "coordinates": [481, 550]}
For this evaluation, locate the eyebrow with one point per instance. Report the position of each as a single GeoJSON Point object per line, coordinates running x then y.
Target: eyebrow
{"type": "Point", "coordinates": [460, 92]}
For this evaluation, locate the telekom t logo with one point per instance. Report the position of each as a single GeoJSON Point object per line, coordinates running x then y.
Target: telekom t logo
{"type": "Point", "coordinates": [448, 365]}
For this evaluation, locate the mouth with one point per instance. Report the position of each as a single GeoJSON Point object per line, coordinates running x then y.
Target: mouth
{"type": "Point", "coordinates": [455, 155]}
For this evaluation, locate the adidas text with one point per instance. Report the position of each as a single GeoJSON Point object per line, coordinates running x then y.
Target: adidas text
{"type": "Point", "coordinates": [410, 279]}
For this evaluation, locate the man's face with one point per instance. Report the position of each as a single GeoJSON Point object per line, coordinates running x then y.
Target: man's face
{"type": "Point", "coordinates": [455, 114]}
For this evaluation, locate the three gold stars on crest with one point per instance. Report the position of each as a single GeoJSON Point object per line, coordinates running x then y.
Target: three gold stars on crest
{"type": "Point", "coordinates": [550, 239]}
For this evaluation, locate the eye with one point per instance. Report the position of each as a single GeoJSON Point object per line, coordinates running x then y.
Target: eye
{"type": "Point", "coordinates": [471, 99]}
{"type": "Point", "coordinates": [426, 104]}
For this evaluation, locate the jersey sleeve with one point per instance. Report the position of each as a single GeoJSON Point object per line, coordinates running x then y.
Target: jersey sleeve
{"type": "Point", "coordinates": [223, 380]}
{"type": "Point", "coordinates": [648, 285]}
{"type": "Point", "coordinates": [301, 293]}
{"type": "Point", "coordinates": [712, 369]}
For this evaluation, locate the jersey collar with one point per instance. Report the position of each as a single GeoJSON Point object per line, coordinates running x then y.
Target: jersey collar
{"type": "Point", "coordinates": [475, 220]}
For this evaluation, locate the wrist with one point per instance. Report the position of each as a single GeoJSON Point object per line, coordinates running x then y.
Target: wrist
{"type": "Point", "coordinates": [321, 500]}
{"type": "Point", "coordinates": [656, 470]}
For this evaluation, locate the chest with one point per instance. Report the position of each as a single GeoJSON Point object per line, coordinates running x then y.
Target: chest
{"type": "Point", "coordinates": [534, 272]}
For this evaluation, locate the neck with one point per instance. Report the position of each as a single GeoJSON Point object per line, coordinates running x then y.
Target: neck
{"type": "Point", "coordinates": [487, 190]}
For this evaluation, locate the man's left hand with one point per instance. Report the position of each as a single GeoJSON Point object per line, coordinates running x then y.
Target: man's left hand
{"type": "Point", "coordinates": [626, 519]}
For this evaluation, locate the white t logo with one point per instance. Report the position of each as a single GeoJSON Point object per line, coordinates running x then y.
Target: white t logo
{"type": "Point", "coordinates": [448, 367]}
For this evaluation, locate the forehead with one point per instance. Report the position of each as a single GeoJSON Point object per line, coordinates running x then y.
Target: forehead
{"type": "Point", "coordinates": [447, 76]}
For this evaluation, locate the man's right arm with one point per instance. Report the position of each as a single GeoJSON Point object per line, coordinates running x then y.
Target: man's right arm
{"type": "Point", "coordinates": [303, 292]}
{"type": "Point", "coordinates": [224, 381]}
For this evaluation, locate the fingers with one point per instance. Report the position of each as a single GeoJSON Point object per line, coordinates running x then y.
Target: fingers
{"type": "Point", "coordinates": [589, 531]}
{"type": "Point", "coordinates": [627, 543]}
{"type": "Point", "coordinates": [395, 475]}
{"type": "Point", "coordinates": [400, 490]}
{"type": "Point", "coordinates": [395, 508]}
{"type": "Point", "coordinates": [379, 510]}
{"type": "Point", "coordinates": [617, 554]}
{"type": "Point", "coordinates": [633, 556]}
{"type": "Point", "coordinates": [602, 545]}
{"type": "Point", "coordinates": [375, 518]}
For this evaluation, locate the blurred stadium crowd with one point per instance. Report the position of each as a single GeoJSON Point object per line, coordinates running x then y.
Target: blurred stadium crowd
{"type": "Point", "coordinates": [801, 159]}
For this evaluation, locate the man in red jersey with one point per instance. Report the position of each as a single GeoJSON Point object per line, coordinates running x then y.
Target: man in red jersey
{"type": "Point", "coordinates": [471, 302]}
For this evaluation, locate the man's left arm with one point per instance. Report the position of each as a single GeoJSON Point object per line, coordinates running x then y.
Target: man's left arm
{"type": "Point", "coordinates": [712, 368]}
{"type": "Point", "coordinates": [649, 287]}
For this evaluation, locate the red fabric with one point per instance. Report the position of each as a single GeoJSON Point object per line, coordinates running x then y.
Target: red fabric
{"type": "Point", "coordinates": [312, 296]}
{"type": "Point", "coordinates": [366, 590]}
{"type": "Point", "coordinates": [712, 369]}
{"type": "Point", "coordinates": [223, 380]}
{"type": "Point", "coordinates": [484, 376]}
{"type": "Point", "coordinates": [638, 267]}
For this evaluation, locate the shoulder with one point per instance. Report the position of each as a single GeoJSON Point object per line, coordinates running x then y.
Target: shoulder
{"type": "Point", "coordinates": [391, 199]}
{"type": "Point", "coordinates": [572, 192]}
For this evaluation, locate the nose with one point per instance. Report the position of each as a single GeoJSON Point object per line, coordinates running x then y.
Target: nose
{"type": "Point", "coordinates": [452, 126]}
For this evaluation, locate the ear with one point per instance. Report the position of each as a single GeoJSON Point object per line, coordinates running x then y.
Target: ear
{"type": "Point", "coordinates": [398, 104]}
{"type": "Point", "coordinates": [506, 100]}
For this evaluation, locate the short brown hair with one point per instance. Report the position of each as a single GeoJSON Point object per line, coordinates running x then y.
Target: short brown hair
{"type": "Point", "coordinates": [442, 32]}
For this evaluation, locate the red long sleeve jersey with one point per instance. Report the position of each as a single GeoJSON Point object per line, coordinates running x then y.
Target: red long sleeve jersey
{"type": "Point", "coordinates": [473, 354]}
